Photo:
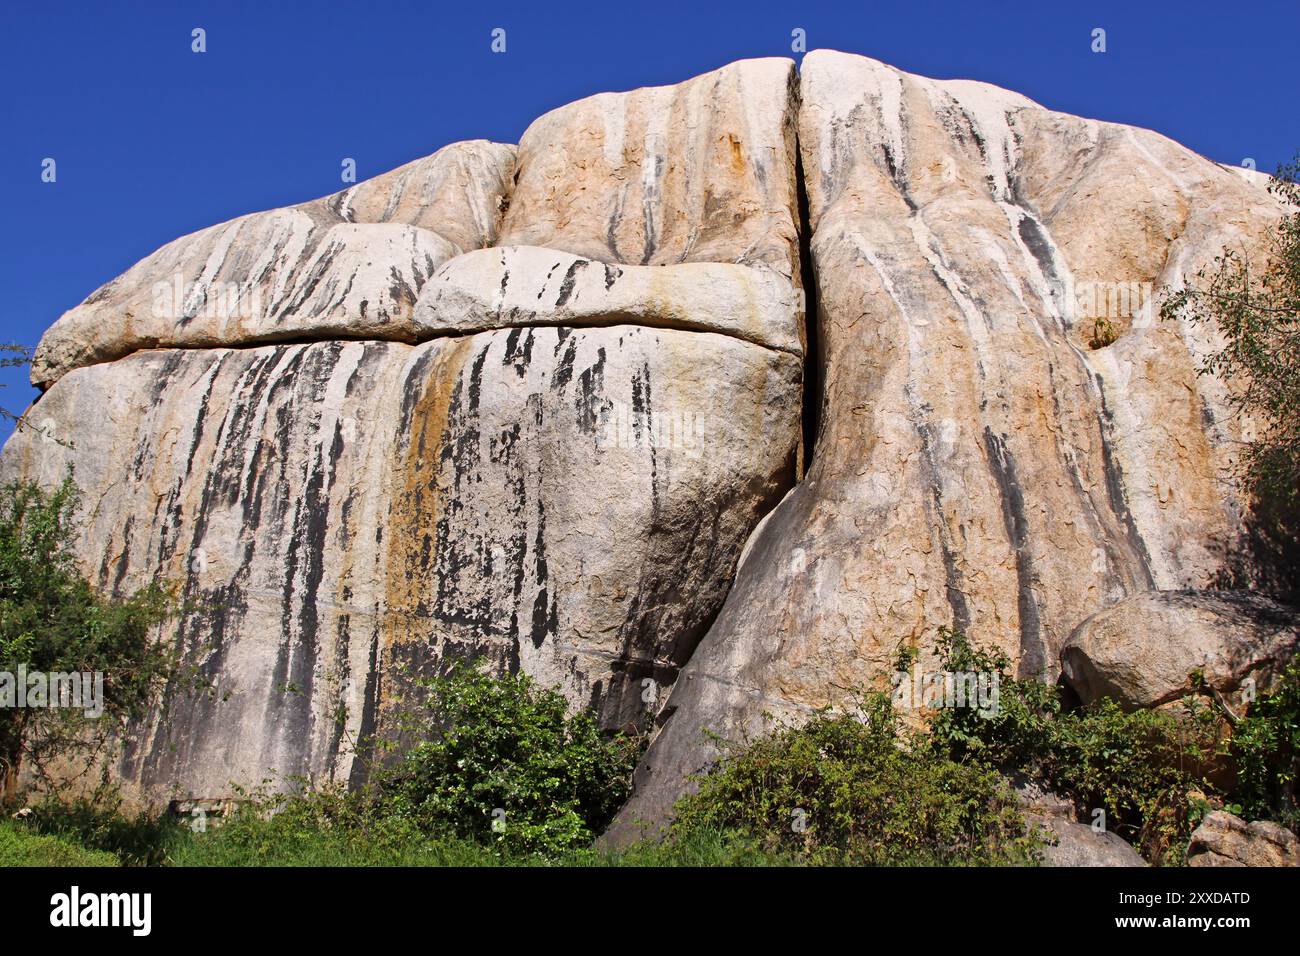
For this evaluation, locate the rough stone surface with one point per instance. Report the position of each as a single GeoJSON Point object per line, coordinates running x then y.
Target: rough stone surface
{"type": "Point", "coordinates": [1142, 650]}
{"type": "Point", "coordinates": [1226, 840]}
{"type": "Point", "coordinates": [702, 171]}
{"type": "Point", "coordinates": [459, 192]}
{"type": "Point", "coordinates": [349, 265]}
{"type": "Point", "coordinates": [978, 465]}
{"type": "Point", "coordinates": [530, 286]}
{"type": "Point", "coordinates": [1065, 841]}
{"type": "Point", "coordinates": [568, 502]}
{"type": "Point", "coordinates": [551, 460]}
{"type": "Point", "coordinates": [1068, 843]}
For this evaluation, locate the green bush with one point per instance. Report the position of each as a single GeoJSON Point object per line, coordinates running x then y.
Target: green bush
{"type": "Point", "coordinates": [22, 846]}
{"type": "Point", "coordinates": [864, 789]}
{"type": "Point", "coordinates": [1256, 308]}
{"type": "Point", "coordinates": [503, 762]}
{"type": "Point", "coordinates": [333, 828]}
{"type": "Point", "coordinates": [1252, 307]}
{"type": "Point", "coordinates": [1143, 768]}
{"type": "Point", "coordinates": [859, 789]}
{"type": "Point", "coordinates": [53, 621]}
{"type": "Point", "coordinates": [1266, 747]}
{"type": "Point", "coordinates": [322, 828]}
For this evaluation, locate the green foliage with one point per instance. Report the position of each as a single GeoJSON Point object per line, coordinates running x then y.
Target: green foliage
{"type": "Point", "coordinates": [333, 828]}
{"type": "Point", "coordinates": [13, 355]}
{"type": "Point", "coordinates": [324, 828]}
{"type": "Point", "coordinates": [504, 750]}
{"type": "Point", "coordinates": [53, 621]}
{"type": "Point", "coordinates": [1104, 333]}
{"type": "Point", "coordinates": [858, 789]}
{"type": "Point", "coordinates": [21, 846]}
{"type": "Point", "coordinates": [1266, 747]}
{"type": "Point", "coordinates": [1256, 307]}
{"type": "Point", "coordinates": [871, 791]}
{"type": "Point", "coordinates": [699, 846]}
{"type": "Point", "coordinates": [1143, 768]}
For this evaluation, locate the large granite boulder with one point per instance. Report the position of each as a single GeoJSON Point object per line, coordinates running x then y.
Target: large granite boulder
{"type": "Point", "coordinates": [350, 265]}
{"type": "Point", "coordinates": [528, 286]}
{"type": "Point", "coordinates": [379, 432]}
{"type": "Point", "coordinates": [1070, 843]}
{"type": "Point", "coordinates": [562, 501]}
{"type": "Point", "coordinates": [703, 171]}
{"type": "Point", "coordinates": [547, 406]}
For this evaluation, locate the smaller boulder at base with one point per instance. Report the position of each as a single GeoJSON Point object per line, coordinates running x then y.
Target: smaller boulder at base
{"type": "Point", "coordinates": [1069, 843]}
{"type": "Point", "coordinates": [1142, 651]}
{"type": "Point", "coordinates": [1226, 840]}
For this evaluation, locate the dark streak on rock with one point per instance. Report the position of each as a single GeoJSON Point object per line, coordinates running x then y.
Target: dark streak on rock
{"type": "Point", "coordinates": [1033, 655]}
{"type": "Point", "coordinates": [570, 278]}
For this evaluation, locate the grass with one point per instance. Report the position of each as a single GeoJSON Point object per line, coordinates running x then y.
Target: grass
{"type": "Point", "coordinates": [20, 846]}
{"type": "Point", "coordinates": [288, 839]}
{"type": "Point", "coordinates": [273, 843]}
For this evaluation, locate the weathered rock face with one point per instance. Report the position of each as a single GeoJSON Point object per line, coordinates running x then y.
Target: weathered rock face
{"type": "Point", "coordinates": [530, 404]}
{"type": "Point", "coordinates": [1226, 840]}
{"type": "Point", "coordinates": [457, 448]}
{"type": "Point", "coordinates": [979, 465]}
{"type": "Point", "coordinates": [1065, 841]}
{"type": "Point", "coordinates": [529, 286]}
{"type": "Point", "coordinates": [1142, 650]}
{"type": "Point", "coordinates": [703, 171]}
{"type": "Point", "coordinates": [561, 501]}
{"type": "Point", "coordinates": [349, 265]}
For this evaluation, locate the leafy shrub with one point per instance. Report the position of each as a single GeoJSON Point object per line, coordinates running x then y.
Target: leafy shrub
{"type": "Point", "coordinates": [868, 790]}
{"type": "Point", "coordinates": [1256, 307]}
{"type": "Point", "coordinates": [1266, 747]}
{"type": "Point", "coordinates": [1143, 768]}
{"type": "Point", "coordinates": [503, 762]}
{"type": "Point", "coordinates": [335, 828]}
{"type": "Point", "coordinates": [858, 789]}
{"type": "Point", "coordinates": [328, 827]}
{"type": "Point", "coordinates": [53, 621]}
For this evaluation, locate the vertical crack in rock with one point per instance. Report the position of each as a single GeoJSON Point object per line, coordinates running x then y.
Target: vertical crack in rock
{"type": "Point", "coordinates": [813, 371]}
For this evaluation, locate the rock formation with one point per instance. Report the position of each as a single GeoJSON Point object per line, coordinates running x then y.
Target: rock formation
{"type": "Point", "coordinates": [1226, 840]}
{"type": "Point", "coordinates": [1063, 840]}
{"type": "Point", "coordinates": [1141, 651]}
{"type": "Point", "coordinates": [978, 465]}
{"type": "Point", "coordinates": [558, 406]}
{"type": "Point", "coordinates": [386, 430]}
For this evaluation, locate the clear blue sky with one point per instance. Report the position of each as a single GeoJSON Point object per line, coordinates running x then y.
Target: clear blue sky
{"type": "Point", "coordinates": [153, 141]}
